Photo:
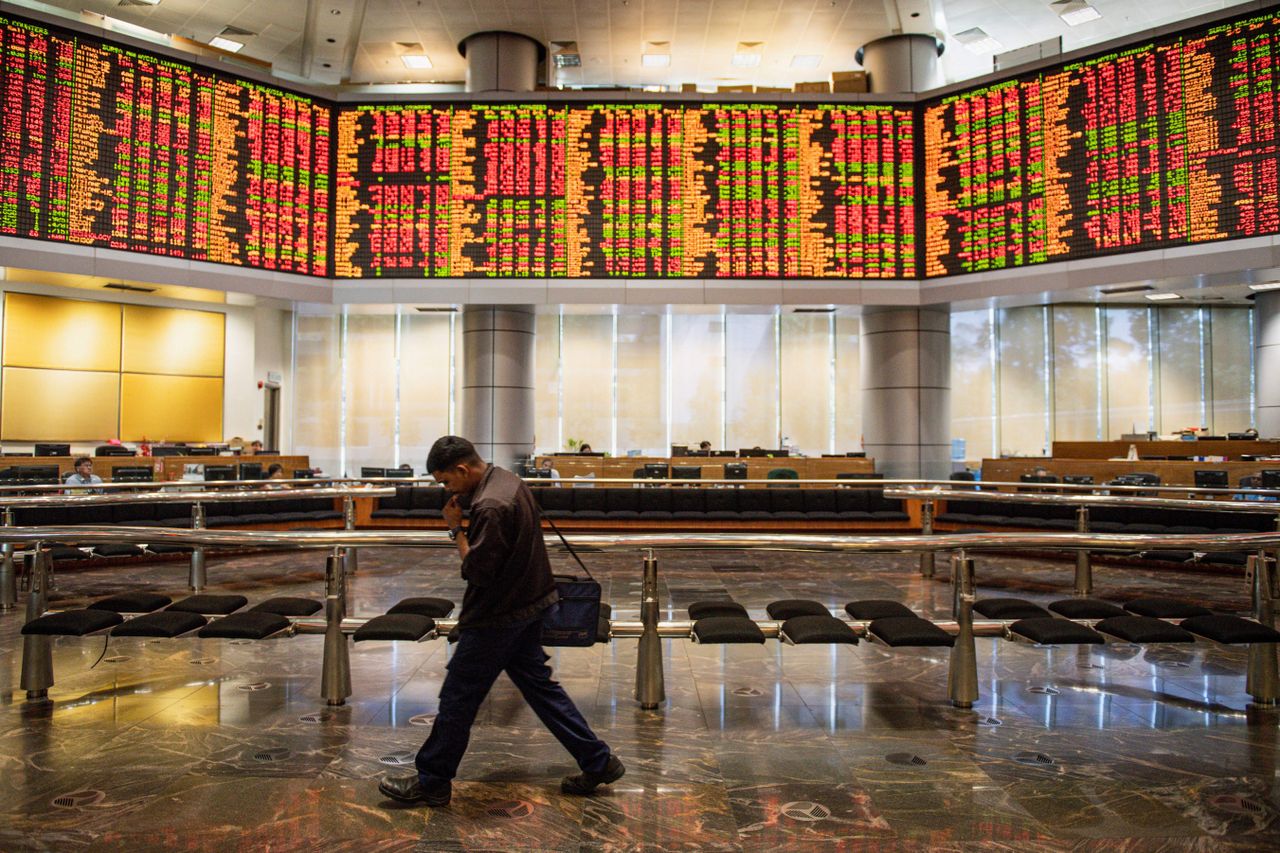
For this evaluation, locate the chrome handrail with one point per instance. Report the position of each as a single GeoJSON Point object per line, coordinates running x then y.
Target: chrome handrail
{"type": "Point", "coordinates": [92, 534]}
{"type": "Point", "coordinates": [1272, 508]}
{"type": "Point", "coordinates": [257, 494]}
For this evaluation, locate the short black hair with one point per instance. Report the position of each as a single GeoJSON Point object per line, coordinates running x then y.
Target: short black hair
{"type": "Point", "coordinates": [80, 459]}
{"type": "Point", "coordinates": [450, 450]}
{"type": "Point", "coordinates": [275, 466]}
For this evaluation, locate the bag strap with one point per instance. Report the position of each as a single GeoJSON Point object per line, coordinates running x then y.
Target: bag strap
{"type": "Point", "coordinates": [566, 544]}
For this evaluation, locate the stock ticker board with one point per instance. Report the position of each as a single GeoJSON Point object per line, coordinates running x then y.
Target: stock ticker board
{"type": "Point", "coordinates": [107, 146]}
{"type": "Point", "coordinates": [1167, 143]}
{"type": "Point", "coordinates": [1170, 142]}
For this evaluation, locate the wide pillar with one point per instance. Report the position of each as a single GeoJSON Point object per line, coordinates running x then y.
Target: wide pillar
{"type": "Point", "coordinates": [1266, 356]}
{"type": "Point", "coordinates": [906, 390]}
{"type": "Point", "coordinates": [497, 381]}
{"type": "Point", "coordinates": [501, 61]}
{"type": "Point", "coordinates": [905, 62]}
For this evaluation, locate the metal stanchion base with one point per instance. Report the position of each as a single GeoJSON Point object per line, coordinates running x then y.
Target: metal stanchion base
{"type": "Point", "coordinates": [335, 703]}
{"type": "Point", "coordinates": [964, 706]}
{"type": "Point", "coordinates": [36, 695]}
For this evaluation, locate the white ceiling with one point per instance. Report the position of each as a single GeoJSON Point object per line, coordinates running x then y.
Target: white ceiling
{"type": "Point", "coordinates": [362, 42]}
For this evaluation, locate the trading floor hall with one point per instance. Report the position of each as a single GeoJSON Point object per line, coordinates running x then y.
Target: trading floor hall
{"type": "Point", "coordinates": [226, 744]}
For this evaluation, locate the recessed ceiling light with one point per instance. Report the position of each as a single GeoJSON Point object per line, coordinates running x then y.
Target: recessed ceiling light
{"type": "Point", "coordinates": [1162, 297]}
{"type": "Point", "coordinates": [976, 40]}
{"type": "Point", "coordinates": [1265, 285]}
{"type": "Point", "coordinates": [228, 45]}
{"type": "Point", "coordinates": [808, 60]}
{"type": "Point", "coordinates": [1075, 12]}
{"type": "Point", "coordinates": [655, 60]}
{"type": "Point", "coordinates": [416, 60]}
{"type": "Point", "coordinates": [746, 60]}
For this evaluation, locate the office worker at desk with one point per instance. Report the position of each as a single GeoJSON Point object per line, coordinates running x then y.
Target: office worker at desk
{"type": "Point", "coordinates": [83, 476]}
{"type": "Point", "coordinates": [704, 446]}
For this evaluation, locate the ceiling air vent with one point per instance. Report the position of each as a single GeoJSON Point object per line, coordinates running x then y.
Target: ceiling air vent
{"type": "Point", "coordinates": [436, 309]}
{"type": "Point", "coordinates": [1131, 288]}
{"type": "Point", "coordinates": [230, 32]}
{"type": "Point", "coordinates": [132, 288]}
{"type": "Point", "coordinates": [827, 310]}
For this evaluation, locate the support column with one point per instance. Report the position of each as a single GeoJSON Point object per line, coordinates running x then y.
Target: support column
{"type": "Point", "coordinates": [1266, 354]}
{"type": "Point", "coordinates": [904, 62]}
{"type": "Point", "coordinates": [501, 62]}
{"type": "Point", "coordinates": [906, 390]}
{"type": "Point", "coordinates": [497, 381]}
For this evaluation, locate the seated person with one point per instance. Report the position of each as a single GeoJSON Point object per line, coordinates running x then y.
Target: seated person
{"type": "Point", "coordinates": [547, 466]}
{"type": "Point", "coordinates": [275, 472]}
{"type": "Point", "coordinates": [83, 476]}
{"type": "Point", "coordinates": [253, 449]}
{"type": "Point", "coordinates": [584, 448]}
{"type": "Point", "coordinates": [704, 446]}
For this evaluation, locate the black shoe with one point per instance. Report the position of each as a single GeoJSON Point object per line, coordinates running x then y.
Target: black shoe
{"type": "Point", "coordinates": [409, 789]}
{"type": "Point", "coordinates": [584, 783]}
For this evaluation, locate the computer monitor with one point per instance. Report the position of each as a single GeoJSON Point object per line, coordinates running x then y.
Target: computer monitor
{"type": "Point", "coordinates": [735, 470]}
{"type": "Point", "coordinates": [725, 453]}
{"type": "Point", "coordinates": [219, 473]}
{"type": "Point", "coordinates": [753, 451]}
{"type": "Point", "coordinates": [686, 472]}
{"type": "Point", "coordinates": [267, 453]}
{"type": "Point", "coordinates": [36, 475]}
{"type": "Point", "coordinates": [781, 451]}
{"type": "Point", "coordinates": [168, 450]}
{"type": "Point", "coordinates": [53, 450]}
{"type": "Point", "coordinates": [1212, 480]}
{"type": "Point", "coordinates": [655, 470]}
{"type": "Point", "coordinates": [251, 471]}
{"type": "Point", "coordinates": [132, 474]}
{"type": "Point", "coordinates": [202, 451]}
{"type": "Point", "coordinates": [112, 450]}
{"type": "Point", "coordinates": [1242, 436]}
{"type": "Point", "coordinates": [679, 450]}
{"type": "Point", "coordinates": [1078, 479]}
{"type": "Point", "coordinates": [1271, 478]}
{"type": "Point", "coordinates": [407, 473]}
{"type": "Point", "coordinates": [303, 474]}
{"type": "Point", "coordinates": [1038, 478]}
{"type": "Point", "coordinates": [373, 472]}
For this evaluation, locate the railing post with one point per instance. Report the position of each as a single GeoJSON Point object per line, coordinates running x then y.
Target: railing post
{"type": "Point", "coordinates": [8, 574]}
{"type": "Point", "coordinates": [926, 529]}
{"type": "Point", "coordinates": [37, 653]}
{"type": "Point", "coordinates": [349, 523]}
{"type": "Point", "coordinates": [962, 674]}
{"type": "Point", "coordinates": [196, 577]}
{"type": "Point", "coordinates": [1084, 564]}
{"type": "Point", "coordinates": [650, 690]}
{"type": "Point", "coordinates": [1262, 681]}
{"type": "Point", "coordinates": [335, 678]}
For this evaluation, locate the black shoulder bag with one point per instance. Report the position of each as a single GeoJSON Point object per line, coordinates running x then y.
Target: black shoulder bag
{"type": "Point", "coordinates": [575, 619]}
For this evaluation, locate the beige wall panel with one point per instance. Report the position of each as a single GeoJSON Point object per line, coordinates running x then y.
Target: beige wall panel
{"type": "Point", "coordinates": [1127, 363]}
{"type": "Point", "coordinates": [848, 383]}
{"type": "Point", "coordinates": [170, 408]}
{"type": "Point", "coordinates": [173, 341]}
{"type": "Point", "coordinates": [806, 353]}
{"type": "Point", "coordinates": [1023, 378]}
{"type": "Point", "coordinates": [424, 384]}
{"type": "Point", "coordinates": [751, 384]}
{"type": "Point", "coordinates": [59, 405]}
{"type": "Point", "coordinates": [67, 334]}
{"type": "Point", "coordinates": [697, 377]}
{"type": "Point", "coordinates": [1232, 355]}
{"type": "Point", "coordinates": [546, 383]}
{"type": "Point", "coordinates": [1180, 369]}
{"type": "Point", "coordinates": [642, 399]}
{"type": "Point", "coordinates": [317, 408]}
{"type": "Point", "coordinates": [371, 390]}
{"type": "Point", "coordinates": [1076, 373]}
{"type": "Point", "coordinates": [586, 369]}
{"type": "Point", "coordinates": [971, 388]}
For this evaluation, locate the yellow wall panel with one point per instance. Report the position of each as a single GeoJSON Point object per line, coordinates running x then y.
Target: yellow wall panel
{"type": "Point", "coordinates": [68, 334]}
{"type": "Point", "coordinates": [59, 405]}
{"type": "Point", "coordinates": [172, 341]}
{"type": "Point", "coordinates": [170, 408]}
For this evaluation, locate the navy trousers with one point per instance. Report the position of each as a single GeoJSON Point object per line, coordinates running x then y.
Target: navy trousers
{"type": "Point", "coordinates": [480, 655]}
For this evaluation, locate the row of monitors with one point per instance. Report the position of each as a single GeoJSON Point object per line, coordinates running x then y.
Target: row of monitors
{"type": "Point", "coordinates": [1204, 479]}
{"type": "Point", "coordinates": [47, 449]}
{"type": "Point", "coordinates": [36, 475]}
{"type": "Point", "coordinates": [406, 473]}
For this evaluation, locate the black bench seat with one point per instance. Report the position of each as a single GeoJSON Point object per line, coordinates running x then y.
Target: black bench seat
{"type": "Point", "coordinates": [246, 626]}
{"type": "Point", "coordinates": [166, 623]}
{"type": "Point", "coordinates": [813, 629]}
{"type": "Point", "coordinates": [1230, 630]}
{"type": "Point", "coordinates": [1051, 631]}
{"type": "Point", "coordinates": [902, 631]}
{"type": "Point", "coordinates": [1143, 630]}
{"type": "Point", "coordinates": [726, 629]}
{"type": "Point", "coordinates": [396, 627]}
{"type": "Point", "coordinates": [72, 623]}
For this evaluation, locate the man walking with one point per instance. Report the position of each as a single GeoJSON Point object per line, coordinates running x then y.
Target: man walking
{"type": "Point", "coordinates": [509, 585]}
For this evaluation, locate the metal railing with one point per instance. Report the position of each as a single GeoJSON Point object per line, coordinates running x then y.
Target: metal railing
{"type": "Point", "coordinates": [37, 666]}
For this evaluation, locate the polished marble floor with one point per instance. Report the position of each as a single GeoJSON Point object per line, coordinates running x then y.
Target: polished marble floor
{"type": "Point", "coordinates": [209, 744]}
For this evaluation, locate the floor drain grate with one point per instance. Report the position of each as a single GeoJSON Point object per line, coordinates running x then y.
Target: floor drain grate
{"type": "Point", "coordinates": [79, 799]}
{"type": "Point", "coordinates": [254, 686]}
{"type": "Point", "coordinates": [990, 721]}
{"type": "Point", "coordinates": [1044, 691]}
{"type": "Point", "coordinates": [1036, 758]}
{"type": "Point", "coordinates": [241, 642]}
{"type": "Point", "coordinates": [267, 756]}
{"type": "Point", "coordinates": [422, 719]}
{"type": "Point", "coordinates": [397, 759]}
{"type": "Point", "coordinates": [747, 691]}
{"type": "Point", "coordinates": [315, 718]}
{"type": "Point", "coordinates": [740, 569]}
{"type": "Point", "coordinates": [1091, 666]}
{"type": "Point", "coordinates": [906, 759]}
{"type": "Point", "coordinates": [512, 809]}
{"type": "Point", "coordinates": [202, 661]}
{"type": "Point", "coordinates": [804, 810]}
{"type": "Point", "coordinates": [116, 659]}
